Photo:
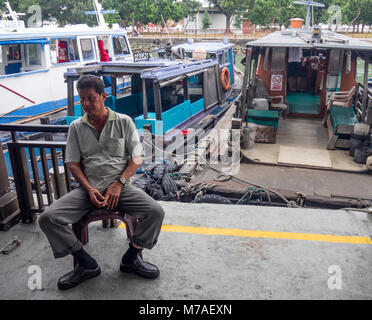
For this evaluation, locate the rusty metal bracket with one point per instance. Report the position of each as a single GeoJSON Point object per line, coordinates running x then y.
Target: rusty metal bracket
{"type": "Point", "coordinates": [14, 243]}
{"type": "Point", "coordinates": [301, 198]}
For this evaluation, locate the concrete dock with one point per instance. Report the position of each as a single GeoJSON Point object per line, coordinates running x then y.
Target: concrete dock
{"type": "Point", "coordinates": [209, 251]}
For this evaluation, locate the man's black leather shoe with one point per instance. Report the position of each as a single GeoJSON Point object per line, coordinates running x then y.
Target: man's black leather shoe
{"type": "Point", "coordinates": [142, 268]}
{"type": "Point", "coordinates": [77, 276]}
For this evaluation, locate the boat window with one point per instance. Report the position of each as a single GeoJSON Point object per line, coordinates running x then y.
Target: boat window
{"type": "Point", "coordinates": [220, 59]}
{"type": "Point", "coordinates": [124, 45]}
{"type": "Point", "coordinates": [14, 52]}
{"type": "Point", "coordinates": [33, 55]}
{"type": "Point", "coordinates": [278, 59]}
{"type": "Point", "coordinates": [60, 50]}
{"type": "Point", "coordinates": [87, 49]}
{"type": "Point", "coordinates": [120, 46]}
{"type": "Point", "coordinates": [75, 49]}
{"type": "Point", "coordinates": [211, 56]}
{"type": "Point", "coordinates": [226, 57]}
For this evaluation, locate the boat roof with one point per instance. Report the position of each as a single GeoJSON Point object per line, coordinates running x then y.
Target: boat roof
{"type": "Point", "coordinates": [156, 69]}
{"type": "Point", "coordinates": [208, 46]}
{"type": "Point", "coordinates": [68, 32]}
{"type": "Point", "coordinates": [297, 38]}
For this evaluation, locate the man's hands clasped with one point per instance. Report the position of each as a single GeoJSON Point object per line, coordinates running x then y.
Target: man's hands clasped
{"type": "Point", "coordinates": [110, 198]}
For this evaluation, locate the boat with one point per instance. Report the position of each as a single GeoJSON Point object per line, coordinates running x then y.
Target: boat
{"type": "Point", "coordinates": [304, 99]}
{"type": "Point", "coordinates": [167, 96]}
{"type": "Point", "coordinates": [33, 61]}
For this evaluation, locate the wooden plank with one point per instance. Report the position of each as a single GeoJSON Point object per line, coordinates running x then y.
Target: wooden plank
{"type": "Point", "coordinates": [44, 165]}
{"type": "Point", "coordinates": [39, 116]}
{"type": "Point", "coordinates": [305, 156]}
{"type": "Point", "coordinates": [332, 137]}
{"type": "Point", "coordinates": [35, 173]}
{"type": "Point", "coordinates": [57, 179]}
{"type": "Point", "coordinates": [67, 171]}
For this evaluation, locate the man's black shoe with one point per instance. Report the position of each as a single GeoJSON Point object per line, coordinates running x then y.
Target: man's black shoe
{"type": "Point", "coordinates": [77, 276]}
{"type": "Point", "coordinates": [142, 268]}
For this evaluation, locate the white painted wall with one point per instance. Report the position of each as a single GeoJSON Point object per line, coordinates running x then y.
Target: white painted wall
{"type": "Point", "coordinates": [218, 21]}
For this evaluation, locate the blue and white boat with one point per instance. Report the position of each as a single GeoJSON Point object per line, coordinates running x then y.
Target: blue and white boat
{"type": "Point", "coordinates": [33, 61]}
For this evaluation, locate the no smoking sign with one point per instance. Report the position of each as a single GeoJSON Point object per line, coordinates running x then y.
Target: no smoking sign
{"type": "Point", "coordinates": [276, 82]}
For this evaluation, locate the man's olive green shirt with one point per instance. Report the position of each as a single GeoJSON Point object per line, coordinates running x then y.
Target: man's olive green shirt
{"type": "Point", "coordinates": [103, 156]}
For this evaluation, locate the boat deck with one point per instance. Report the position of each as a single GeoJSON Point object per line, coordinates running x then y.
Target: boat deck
{"type": "Point", "coordinates": [304, 142]}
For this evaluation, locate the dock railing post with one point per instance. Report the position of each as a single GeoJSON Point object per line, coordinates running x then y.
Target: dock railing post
{"type": "Point", "coordinates": [70, 97]}
{"type": "Point", "coordinates": [247, 69]}
{"type": "Point", "coordinates": [365, 87]}
{"type": "Point", "coordinates": [22, 181]}
{"type": "Point", "coordinates": [9, 207]}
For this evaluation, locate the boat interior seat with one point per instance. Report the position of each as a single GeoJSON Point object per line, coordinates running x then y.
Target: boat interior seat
{"type": "Point", "coordinates": [340, 124]}
{"type": "Point", "coordinates": [341, 116]}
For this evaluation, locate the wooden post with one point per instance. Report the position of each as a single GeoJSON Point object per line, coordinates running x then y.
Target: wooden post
{"type": "Point", "coordinates": [70, 98]}
{"type": "Point", "coordinates": [22, 182]}
{"type": "Point", "coordinates": [113, 91]}
{"type": "Point", "coordinates": [144, 99]}
{"type": "Point", "coordinates": [48, 136]}
{"type": "Point", "coordinates": [247, 71]}
{"type": "Point", "coordinates": [255, 64]}
{"type": "Point", "coordinates": [186, 94]}
{"type": "Point", "coordinates": [157, 98]}
{"type": "Point", "coordinates": [365, 87]}
{"type": "Point", "coordinates": [4, 182]}
{"type": "Point", "coordinates": [9, 207]}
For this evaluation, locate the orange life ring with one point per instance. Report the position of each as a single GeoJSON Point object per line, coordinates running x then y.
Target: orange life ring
{"type": "Point", "coordinates": [225, 78]}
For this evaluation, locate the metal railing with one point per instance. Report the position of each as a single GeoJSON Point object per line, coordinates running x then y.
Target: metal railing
{"type": "Point", "coordinates": [24, 184]}
{"type": "Point", "coordinates": [363, 111]}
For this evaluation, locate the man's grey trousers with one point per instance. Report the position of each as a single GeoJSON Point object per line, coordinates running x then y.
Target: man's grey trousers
{"type": "Point", "coordinates": [70, 208]}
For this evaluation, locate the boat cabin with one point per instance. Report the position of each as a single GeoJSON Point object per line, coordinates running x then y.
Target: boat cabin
{"type": "Point", "coordinates": [165, 95]}
{"type": "Point", "coordinates": [221, 51]}
{"type": "Point", "coordinates": [32, 64]}
{"type": "Point", "coordinates": [303, 83]}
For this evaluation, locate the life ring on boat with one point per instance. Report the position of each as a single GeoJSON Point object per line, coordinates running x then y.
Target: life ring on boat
{"type": "Point", "coordinates": [225, 79]}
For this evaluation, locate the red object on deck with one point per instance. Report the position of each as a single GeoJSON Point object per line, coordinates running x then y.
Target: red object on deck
{"type": "Point", "coordinates": [62, 51]}
{"type": "Point", "coordinates": [102, 52]}
{"type": "Point", "coordinates": [185, 132]}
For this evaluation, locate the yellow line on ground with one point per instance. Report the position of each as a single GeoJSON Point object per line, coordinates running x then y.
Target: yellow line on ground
{"type": "Point", "coordinates": [265, 234]}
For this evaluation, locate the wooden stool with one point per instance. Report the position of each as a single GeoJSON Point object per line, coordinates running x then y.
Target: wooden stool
{"type": "Point", "coordinates": [81, 227]}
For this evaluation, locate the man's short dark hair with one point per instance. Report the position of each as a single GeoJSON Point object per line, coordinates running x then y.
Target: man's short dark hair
{"type": "Point", "coordinates": [89, 81]}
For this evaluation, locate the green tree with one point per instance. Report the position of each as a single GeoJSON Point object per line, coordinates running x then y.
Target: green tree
{"type": "Point", "coordinates": [206, 21]}
{"type": "Point", "coordinates": [238, 20]}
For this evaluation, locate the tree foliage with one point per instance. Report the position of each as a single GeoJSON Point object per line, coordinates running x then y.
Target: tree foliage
{"type": "Point", "coordinates": [260, 12]}
{"type": "Point", "coordinates": [206, 21]}
{"type": "Point", "coordinates": [268, 12]}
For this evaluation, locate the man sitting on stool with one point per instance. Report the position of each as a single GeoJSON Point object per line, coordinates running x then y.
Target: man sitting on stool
{"type": "Point", "coordinates": [103, 151]}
